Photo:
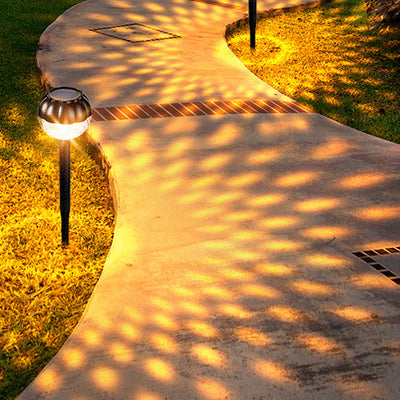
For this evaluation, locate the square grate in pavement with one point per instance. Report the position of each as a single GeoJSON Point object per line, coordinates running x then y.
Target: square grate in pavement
{"type": "Point", "coordinates": [386, 261]}
{"type": "Point", "coordinates": [135, 33]}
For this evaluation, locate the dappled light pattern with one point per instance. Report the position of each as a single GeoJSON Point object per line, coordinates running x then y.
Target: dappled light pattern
{"type": "Point", "coordinates": [330, 59]}
{"type": "Point", "coordinates": [235, 274]}
{"type": "Point", "coordinates": [231, 274]}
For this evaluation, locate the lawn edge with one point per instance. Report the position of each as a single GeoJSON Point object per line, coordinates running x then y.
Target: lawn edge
{"type": "Point", "coordinates": [272, 12]}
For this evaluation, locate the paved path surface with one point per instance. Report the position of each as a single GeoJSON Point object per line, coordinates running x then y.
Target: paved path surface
{"type": "Point", "coordinates": [255, 252]}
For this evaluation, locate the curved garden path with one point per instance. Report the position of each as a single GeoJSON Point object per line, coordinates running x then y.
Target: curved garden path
{"type": "Point", "coordinates": [255, 251]}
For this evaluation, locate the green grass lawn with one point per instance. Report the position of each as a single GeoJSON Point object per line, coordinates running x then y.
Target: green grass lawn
{"type": "Point", "coordinates": [43, 287]}
{"type": "Point", "coordinates": [328, 59]}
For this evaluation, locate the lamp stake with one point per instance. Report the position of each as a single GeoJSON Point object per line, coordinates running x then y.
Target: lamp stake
{"type": "Point", "coordinates": [252, 22]}
{"type": "Point", "coordinates": [65, 189]}
{"type": "Point", "coordinates": [64, 113]}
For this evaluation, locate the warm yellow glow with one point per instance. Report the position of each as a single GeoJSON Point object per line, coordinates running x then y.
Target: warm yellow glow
{"type": "Point", "coordinates": [65, 132]}
{"type": "Point", "coordinates": [241, 216]}
{"type": "Point", "coordinates": [81, 65]}
{"type": "Point", "coordinates": [332, 149]}
{"type": "Point", "coordinates": [208, 355]}
{"type": "Point", "coordinates": [177, 168]}
{"type": "Point", "coordinates": [318, 343]}
{"type": "Point", "coordinates": [228, 197]}
{"type": "Point", "coordinates": [80, 48]}
{"type": "Point", "coordinates": [226, 135]}
{"type": "Point", "coordinates": [129, 331]}
{"type": "Point", "coordinates": [182, 291]}
{"type": "Point", "coordinates": [94, 80]}
{"type": "Point", "coordinates": [207, 212]}
{"type": "Point", "coordinates": [296, 179]}
{"type": "Point", "coordinates": [206, 181]}
{"type": "Point", "coordinates": [266, 200]}
{"type": "Point", "coordinates": [374, 281]}
{"type": "Point", "coordinates": [355, 313]}
{"type": "Point", "coordinates": [313, 288]}
{"type": "Point", "coordinates": [164, 343]}
{"type": "Point", "coordinates": [143, 162]}
{"type": "Point", "coordinates": [326, 232]}
{"type": "Point", "coordinates": [134, 314]}
{"type": "Point", "coordinates": [105, 378]}
{"type": "Point", "coordinates": [91, 337]}
{"type": "Point", "coordinates": [317, 204]}
{"type": "Point", "coordinates": [245, 179]}
{"type": "Point", "coordinates": [73, 358]}
{"type": "Point", "coordinates": [237, 274]}
{"type": "Point", "coordinates": [179, 147]}
{"type": "Point", "coordinates": [246, 255]}
{"type": "Point", "coordinates": [159, 369]}
{"type": "Point", "coordinates": [147, 396]}
{"type": "Point", "coordinates": [259, 291]}
{"type": "Point", "coordinates": [165, 322]}
{"type": "Point", "coordinates": [121, 4]}
{"type": "Point", "coordinates": [326, 261]}
{"type": "Point", "coordinates": [264, 156]}
{"type": "Point", "coordinates": [282, 245]}
{"type": "Point", "coordinates": [378, 213]}
{"type": "Point", "coordinates": [113, 56]}
{"type": "Point", "coordinates": [273, 269]}
{"type": "Point", "coordinates": [253, 336]}
{"type": "Point", "coordinates": [169, 185]}
{"type": "Point", "coordinates": [115, 69]}
{"type": "Point", "coordinates": [271, 371]}
{"type": "Point", "coordinates": [234, 310]}
{"type": "Point", "coordinates": [140, 141]}
{"type": "Point", "coordinates": [193, 308]}
{"type": "Point", "coordinates": [49, 380]}
{"type": "Point", "coordinates": [301, 122]}
{"type": "Point", "coordinates": [161, 303]}
{"type": "Point", "coordinates": [202, 329]}
{"type": "Point", "coordinates": [197, 276]}
{"type": "Point", "coordinates": [218, 292]}
{"type": "Point", "coordinates": [248, 235]}
{"type": "Point", "coordinates": [120, 352]}
{"type": "Point", "coordinates": [363, 180]}
{"type": "Point", "coordinates": [180, 10]}
{"type": "Point", "coordinates": [358, 389]}
{"type": "Point", "coordinates": [213, 390]}
{"type": "Point", "coordinates": [216, 161]}
{"type": "Point", "coordinates": [100, 17]}
{"type": "Point", "coordinates": [377, 244]}
{"type": "Point", "coordinates": [278, 222]}
{"type": "Point", "coordinates": [286, 313]}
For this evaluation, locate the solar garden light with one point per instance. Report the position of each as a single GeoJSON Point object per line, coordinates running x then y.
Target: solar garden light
{"type": "Point", "coordinates": [252, 22]}
{"type": "Point", "coordinates": [64, 113]}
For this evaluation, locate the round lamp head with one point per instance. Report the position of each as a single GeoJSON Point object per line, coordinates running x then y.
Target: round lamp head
{"type": "Point", "coordinates": [64, 113]}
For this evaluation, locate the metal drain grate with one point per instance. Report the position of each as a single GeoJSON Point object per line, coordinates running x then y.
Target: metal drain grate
{"type": "Point", "coordinates": [134, 33]}
{"type": "Point", "coordinates": [386, 261]}
{"type": "Point", "coordinates": [216, 107]}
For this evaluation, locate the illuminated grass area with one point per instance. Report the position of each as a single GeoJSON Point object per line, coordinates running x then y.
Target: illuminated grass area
{"type": "Point", "coordinates": [328, 59]}
{"type": "Point", "coordinates": [43, 288]}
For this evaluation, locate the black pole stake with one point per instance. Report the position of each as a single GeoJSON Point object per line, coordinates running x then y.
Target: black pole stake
{"type": "Point", "coordinates": [253, 22]}
{"type": "Point", "coordinates": [65, 189]}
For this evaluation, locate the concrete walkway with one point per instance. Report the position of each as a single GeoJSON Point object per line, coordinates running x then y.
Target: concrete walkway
{"type": "Point", "coordinates": [255, 253]}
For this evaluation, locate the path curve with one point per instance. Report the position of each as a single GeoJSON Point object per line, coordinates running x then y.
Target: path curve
{"type": "Point", "coordinates": [256, 243]}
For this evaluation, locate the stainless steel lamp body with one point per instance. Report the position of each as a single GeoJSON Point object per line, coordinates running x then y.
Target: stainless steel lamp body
{"type": "Point", "coordinates": [64, 113]}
